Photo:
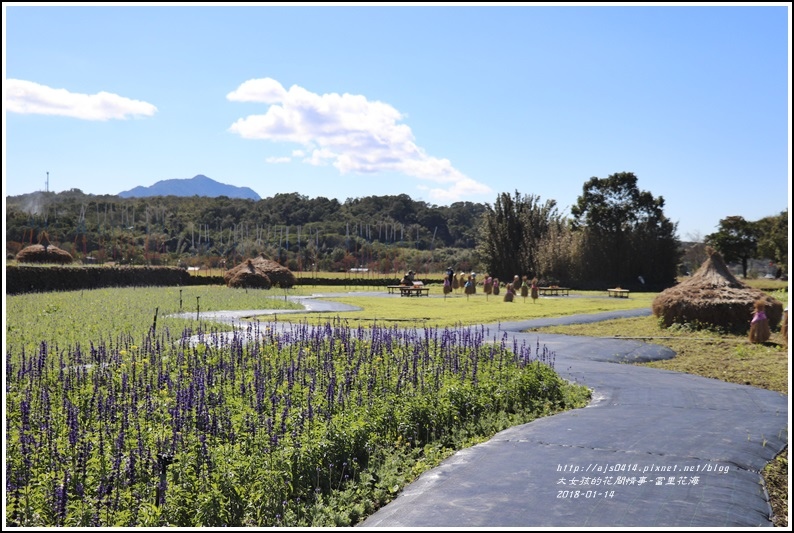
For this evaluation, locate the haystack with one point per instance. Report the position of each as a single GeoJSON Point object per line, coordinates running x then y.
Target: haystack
{"type": "Point", "coordinates": [38, 253]}
{"type": "Point", "coordinates": [259, 272]}
{"type": "Point", "coordinates": [247, 275]}
{"type": "Point", "coordinates": [713, 296]}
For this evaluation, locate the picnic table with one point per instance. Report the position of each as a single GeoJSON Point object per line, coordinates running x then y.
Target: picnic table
{"type": "Point", "coordinates": [554, 291]}
{"type": "Point", "coordinates": [618, 293]}
{"type": "Point", "coordinates": [417, 289]}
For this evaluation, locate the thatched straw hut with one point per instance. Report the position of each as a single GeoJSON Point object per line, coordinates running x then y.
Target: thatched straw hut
{"type": "Point", "coordinates": [247, 275]}
{"type": "Point", "coordinates": [259, 272]}
{"type": "Point", "coordinates": [714, 297]}
{"type": "Point", "coordinates": [38, 253]}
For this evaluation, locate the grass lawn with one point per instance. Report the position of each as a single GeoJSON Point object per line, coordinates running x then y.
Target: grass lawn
{"type": "Point", "coordinates": [459, 309]}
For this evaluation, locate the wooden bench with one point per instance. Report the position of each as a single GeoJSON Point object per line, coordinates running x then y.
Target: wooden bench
{"type": "Point", "coordinates": [618, 293]}
{"type": "Point", "coordinates": [553, 291]}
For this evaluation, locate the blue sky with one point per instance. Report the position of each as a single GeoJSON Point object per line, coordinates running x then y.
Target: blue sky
{"type": "Point", "coordinates": [443, 103]}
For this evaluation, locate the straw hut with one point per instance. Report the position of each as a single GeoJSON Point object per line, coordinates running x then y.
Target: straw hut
{"type": "Point", "coordinates": [259, 272]}
{"type": "Point", "coordinates": [247, 275]}
{"type": "Point", "coordinates": [713, 296]}
{"type": "Point", "coordinates": [39, 253]}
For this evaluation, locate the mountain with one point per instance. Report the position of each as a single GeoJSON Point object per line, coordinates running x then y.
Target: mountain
{"type": "Point", "coordinates": [196, 186]}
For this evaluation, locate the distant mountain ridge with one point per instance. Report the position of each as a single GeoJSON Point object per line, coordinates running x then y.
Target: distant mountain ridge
{"type": "Point", "coordinates": [199, 185]}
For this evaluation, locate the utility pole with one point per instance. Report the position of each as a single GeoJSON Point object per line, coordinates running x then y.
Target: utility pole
{"type": "Point", "coordinates": [47, 183]}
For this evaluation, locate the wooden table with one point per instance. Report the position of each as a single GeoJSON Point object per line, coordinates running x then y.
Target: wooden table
{"type": "Point", "coordinates": [415, 291]}
{"type": "Point", "coordinates": [408, 290]}
{"type": "Point", "coordinates": [618, 293]}
{"type": "Point", "coordinates": [553, 291]}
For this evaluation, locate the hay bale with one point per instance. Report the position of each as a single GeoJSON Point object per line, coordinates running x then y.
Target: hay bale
{"type": "Point", "coordinates": [713, 296]}
{"type": "Point", "coordinates": [251, 272]}
{"type": "Point", "coordinates": [38, 253]}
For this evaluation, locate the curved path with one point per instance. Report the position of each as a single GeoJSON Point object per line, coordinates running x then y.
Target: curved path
{"type": "Point", "coordinates": [654, 448]}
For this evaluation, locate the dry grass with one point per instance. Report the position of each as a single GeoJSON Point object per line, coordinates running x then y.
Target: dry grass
{"type": "Point", "coordinates": [259, 272]}
{"type": "Point", "coordinates": [37, 253]}
{"type": "Point", "coordinates": [712, 296]}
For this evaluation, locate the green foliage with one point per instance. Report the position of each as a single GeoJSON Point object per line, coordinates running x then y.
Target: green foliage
{"type": "Point", "coordinates": [619, 235]}
{"type": "Point", "coordinates": [773, 239]}
{"type": "Point", "coordinates": [80, 317]}
{"type": "Point", "coordinates": [289, 228]}
{"type": "Point", "coordinates": [692, 326]}
{"type": "Point", "coordinates": [387, 234]}
{"type": "Point", "coordinates": [511, 232]}
{"type": "Point", "coordinates": [736, 240]}
{"type": "Point", "coordinates": [626, 233]}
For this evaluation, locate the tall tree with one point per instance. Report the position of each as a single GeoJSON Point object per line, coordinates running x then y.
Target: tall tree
{"type": "Point", "coordinates": [510, 233]}
{"type": "Point", "coordinates": [773, 238]}
{"type": "Point", "coordinates": [736, 239]}
{"type": "Point", "coordinates": [627, 235]}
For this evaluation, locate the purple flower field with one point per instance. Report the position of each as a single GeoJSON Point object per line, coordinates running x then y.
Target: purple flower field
{"type": "Point", "coordinates": [252, 428]}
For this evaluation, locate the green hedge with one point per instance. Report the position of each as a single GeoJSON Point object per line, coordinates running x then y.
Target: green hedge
{"type": "Point", "coordinates": [44, 278]}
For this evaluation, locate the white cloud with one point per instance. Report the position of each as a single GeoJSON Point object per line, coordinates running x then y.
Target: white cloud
{"type": "Point", "coordinates": [461, 188]}
{"type": "Point", "coordinates": [320, 158]}
{"type": "Point", "coordinates": [27, 97]}
{"type": "Point", "coordinates": [266, 90]}
{"type": "Point", "coordinates": [349, 132]}
{"type": "Point", "coordinates": [277, 160]}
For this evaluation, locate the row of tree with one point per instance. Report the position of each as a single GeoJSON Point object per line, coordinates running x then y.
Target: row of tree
{"type": "Point", "coordinates": [617, 233]}
{"type": "Point", "coordinates": [740, 240]}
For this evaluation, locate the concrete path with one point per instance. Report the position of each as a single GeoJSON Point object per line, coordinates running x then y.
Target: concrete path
{"type": "Point", "coordinates": [653, 449]}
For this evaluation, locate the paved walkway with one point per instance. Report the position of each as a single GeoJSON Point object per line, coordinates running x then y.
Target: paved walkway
{"type": "Point", "coordinates": [653, 449]}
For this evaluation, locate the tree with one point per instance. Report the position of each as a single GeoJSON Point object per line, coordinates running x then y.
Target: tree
{"type": "Point", "coordinates": [462, 221]}
{"type": "Point", "coordinates": [736, 239]}
{"type": "Point", "coordinates": [694, 254]}
{"type": "Point", "coordinates": [773, 238]}
{"type": "Point", "coordinates": [627, 237]}
{"type": "Point", "coordinates": [511, 232]}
